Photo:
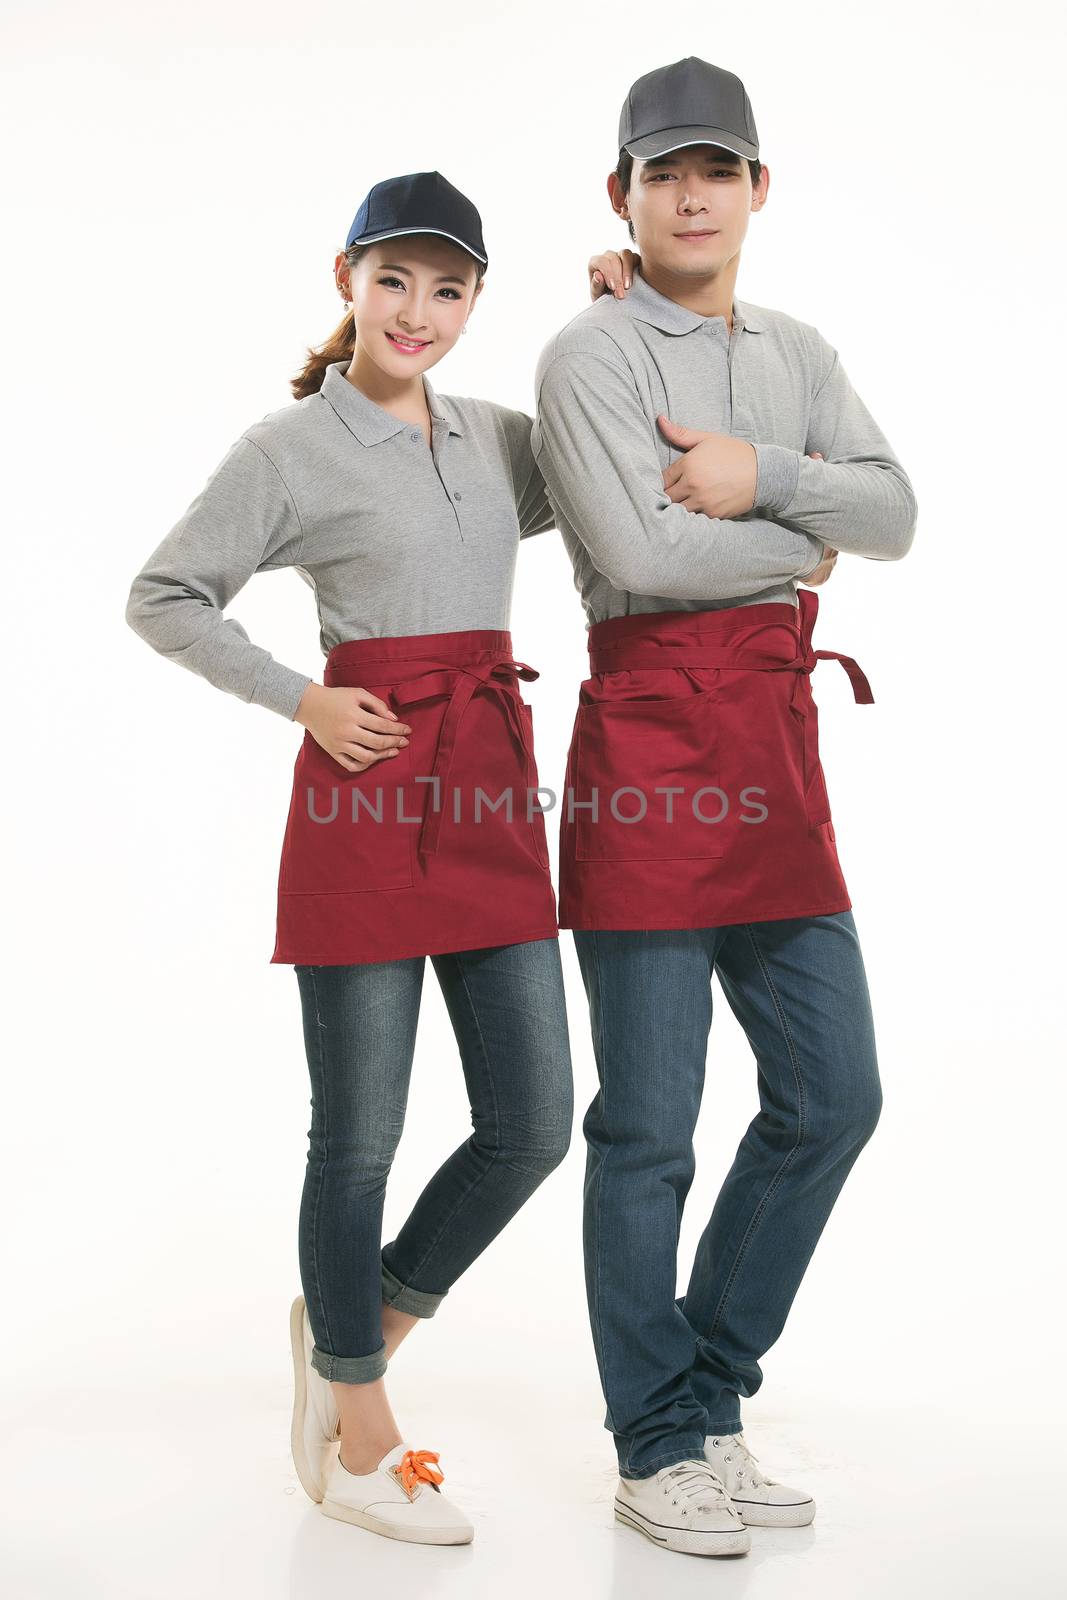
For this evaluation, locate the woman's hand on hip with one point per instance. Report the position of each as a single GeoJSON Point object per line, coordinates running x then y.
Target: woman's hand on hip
{"type": "Point", "coordinates": [353, 726]}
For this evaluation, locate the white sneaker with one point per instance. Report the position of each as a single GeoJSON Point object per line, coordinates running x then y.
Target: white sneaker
{"type": "Point", "coordinates": [399, 1499]}
{"type": "Point", "coordinates": [316, 1426]}
{"type": "Point", "coordinates": [762, 1501]}
{"type": "Point", "coordinates": [683, 1507]}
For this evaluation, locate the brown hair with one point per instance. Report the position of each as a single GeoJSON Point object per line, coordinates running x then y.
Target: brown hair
{"type": "Point", "coordinates": [341, 344]}
{"type": "Point", "coordinates": [625, 171]}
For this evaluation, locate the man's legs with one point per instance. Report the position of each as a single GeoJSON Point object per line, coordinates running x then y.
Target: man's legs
{"type": "Point", "coordinates": [649, 999]}
{"type": "Point", "coordinates": [799, 990]}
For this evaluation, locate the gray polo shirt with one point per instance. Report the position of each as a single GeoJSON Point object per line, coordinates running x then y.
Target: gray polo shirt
{"type": "Point", "coordinates": [393, 537]}
{"type": "Point", "coordinates": [600, 383]}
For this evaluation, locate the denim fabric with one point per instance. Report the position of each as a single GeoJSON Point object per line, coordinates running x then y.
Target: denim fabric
{"type": "Point", "coordinates": [508, 1012]}
{"type": "Point", "coordinates": [673, 1368]}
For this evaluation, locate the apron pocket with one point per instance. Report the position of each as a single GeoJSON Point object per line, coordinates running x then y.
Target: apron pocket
{"type": "Point", "coordinates": [537, 821]}
{"type": "Point", "coordinates": [627, 750]}
{"type": "Point", "coordinates": [816, 798]}
{"type": "Point", "coordinates": [325, 850]}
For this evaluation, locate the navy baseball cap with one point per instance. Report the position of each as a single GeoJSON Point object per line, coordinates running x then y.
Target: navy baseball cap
{"type": "Point", "coordinates": [418, 202]}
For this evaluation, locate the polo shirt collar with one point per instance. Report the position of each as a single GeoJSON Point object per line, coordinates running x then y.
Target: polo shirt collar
{"type": "Point", "coordinates": [648, 305]}
{"type": "Point", "coordinates": [371, 423]}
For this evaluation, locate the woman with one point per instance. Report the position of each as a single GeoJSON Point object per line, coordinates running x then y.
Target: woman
{"type": "Point", "coordinates": [403, 510]}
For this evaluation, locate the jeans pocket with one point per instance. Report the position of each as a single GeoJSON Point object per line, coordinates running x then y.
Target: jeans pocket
{"type": "Point", "coordinates": [654, 767]}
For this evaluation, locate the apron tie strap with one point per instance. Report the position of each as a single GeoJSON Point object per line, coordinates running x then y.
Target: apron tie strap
{"type": "Point", "coordinates": [460, 682]}
{"type": "Point", "coordinates": [809, 610]}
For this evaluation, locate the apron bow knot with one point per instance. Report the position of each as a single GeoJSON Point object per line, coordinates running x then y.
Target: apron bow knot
{"type": "Point", "coordinates": [460, 681]}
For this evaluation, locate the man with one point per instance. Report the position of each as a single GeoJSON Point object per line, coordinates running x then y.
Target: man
{"type": "Point", "coordinates": [680, 432]}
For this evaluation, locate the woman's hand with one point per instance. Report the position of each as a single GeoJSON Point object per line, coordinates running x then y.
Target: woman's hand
{"type": "Point", "coordinates": [829, 554]}
{"type": "Point", "coordinates": [613, 271]}
{"type": "Point", "coordinates": [823, 570]}
{"type": "Point", "coordinates": [352, 725]}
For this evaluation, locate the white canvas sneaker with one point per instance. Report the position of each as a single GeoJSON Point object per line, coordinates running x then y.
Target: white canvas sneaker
{"type": "Point", "coordinates": [316, 1426]}
{"type": "Point", "coordinates": [399, 1499]}
{"type": "Point", "coordinates": [763, 1502]}
{"type": "Point", "coordinates": [683, 1507]}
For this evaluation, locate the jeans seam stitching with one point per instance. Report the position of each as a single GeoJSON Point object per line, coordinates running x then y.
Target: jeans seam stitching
{"type": "Point", "coordinates": [601, 1345]}
{"type": "Point", "coordinates": [775, 1182]}
{"type": "Point", "coordinates": [326, 1155]}
{"type": "Point", "coordinates": [456, 958]}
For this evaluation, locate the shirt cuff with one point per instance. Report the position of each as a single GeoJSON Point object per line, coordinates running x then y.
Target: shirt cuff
{"type": "Point", "coordinates": [280, 689]}
{"type": "Point", "coordinates": [777, 475]}
{"type": "Point", "coordinates": [818, 559]}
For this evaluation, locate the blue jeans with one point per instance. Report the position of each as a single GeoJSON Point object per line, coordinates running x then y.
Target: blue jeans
{"type": "Point", "coordinates": [673, 1369]}
{"type": "Point", "coordinates": [508, 1011]}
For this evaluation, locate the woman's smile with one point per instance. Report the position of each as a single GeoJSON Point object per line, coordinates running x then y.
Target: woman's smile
{"type": "Point", "coordinates": [408, 345]}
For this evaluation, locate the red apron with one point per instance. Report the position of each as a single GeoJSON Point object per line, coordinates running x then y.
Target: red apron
{"type": "Point", "coordinates": [716, 708]}
{"type": "Point", "coordinates": [407, 877]}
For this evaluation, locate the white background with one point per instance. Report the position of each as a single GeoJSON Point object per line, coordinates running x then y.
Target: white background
{"type": "Point", "coordinates": [178, 181]}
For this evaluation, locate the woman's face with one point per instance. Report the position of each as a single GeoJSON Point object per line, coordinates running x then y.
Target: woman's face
{"type": "Point", "coordinates": [411, 296]}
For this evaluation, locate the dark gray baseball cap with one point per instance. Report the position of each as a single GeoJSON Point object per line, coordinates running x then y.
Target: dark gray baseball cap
{"type": "Point", "coordinates": [689, 102]}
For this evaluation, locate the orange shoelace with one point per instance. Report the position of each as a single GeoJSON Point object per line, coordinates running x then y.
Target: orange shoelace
{"type": "Point", "coordinates": [414, 1467]}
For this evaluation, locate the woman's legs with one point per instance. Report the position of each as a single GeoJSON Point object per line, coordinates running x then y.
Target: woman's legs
{"type": "Point", "coordinates": [508, 1012]}
{"type": "Point", "coordinates": [368, 1428]}
{"type": "Point", "coordinates": [360, 1024]}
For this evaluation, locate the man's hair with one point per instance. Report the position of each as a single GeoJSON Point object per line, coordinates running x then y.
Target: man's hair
{"type": "Point", "coordinates": [625, 171]}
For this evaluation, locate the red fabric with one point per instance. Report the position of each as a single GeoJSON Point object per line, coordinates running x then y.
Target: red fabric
{"type": "Point", "coordinates": [700, 700]}
{"type": "Point", "coordinates": [419, 881]}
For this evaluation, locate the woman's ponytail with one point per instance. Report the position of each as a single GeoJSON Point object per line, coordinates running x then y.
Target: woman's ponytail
{"type": "Point", "coordinates": [340, 346]}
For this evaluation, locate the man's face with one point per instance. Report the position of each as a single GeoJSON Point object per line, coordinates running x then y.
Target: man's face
{"type": "Point", "coordinates": [690, 208]}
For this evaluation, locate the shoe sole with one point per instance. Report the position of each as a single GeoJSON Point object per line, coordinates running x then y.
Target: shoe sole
{"type": "Point", "coordinates": [761, 1516]}
{"type": "Point", "coordinates": [731, 1542]}
{"type": "Point", "coordinates": [413, 1535]}
{"type": "Point", "coordinates": [309, 1482]}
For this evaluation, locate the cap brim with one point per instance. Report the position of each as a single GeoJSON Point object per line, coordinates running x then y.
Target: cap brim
{"type": "Point", "coordinates": [394, 233]}
{"type": "Point", "coordinates": [667, 139]}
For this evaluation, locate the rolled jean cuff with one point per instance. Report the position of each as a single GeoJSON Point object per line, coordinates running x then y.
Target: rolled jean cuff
{"type": "Point", "coordinates": [416, 1302]}
{"type": "Point", "coordinates": [349, 1369]}
{"type": "Point", "coordinates": [723, 1430]}
{"type": "Point", "coordinates": [680, 1453]}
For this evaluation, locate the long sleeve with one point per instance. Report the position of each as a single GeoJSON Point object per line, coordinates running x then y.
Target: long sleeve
{"type": "Point", "coordinates": [597, 450]}
{"type": "Point", "coordinates": [243, 521]}
{"type": "Point", "coordinates": [859, 499]}
{"type": "Point", "coordinates": [532, 505]}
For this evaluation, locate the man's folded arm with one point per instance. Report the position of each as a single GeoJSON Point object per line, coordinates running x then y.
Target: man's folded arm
{"type": "Point", "coordinates": [597, 450]}
{"type": "Point", "coordinates": [859, 499]}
